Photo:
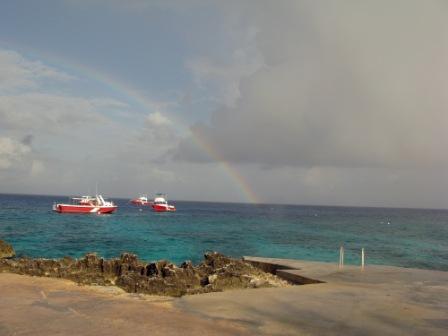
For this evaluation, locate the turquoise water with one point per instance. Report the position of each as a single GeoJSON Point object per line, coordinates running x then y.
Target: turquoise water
{"type": "Point", "coordinates": [401, 237]}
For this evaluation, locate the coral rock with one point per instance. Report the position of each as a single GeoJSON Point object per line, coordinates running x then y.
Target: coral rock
{"type": "Point", "coordinates": [6, 250]}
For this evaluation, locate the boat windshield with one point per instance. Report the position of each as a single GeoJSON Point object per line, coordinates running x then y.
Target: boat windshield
{"type": "Point", "coordinates": [84, 200]}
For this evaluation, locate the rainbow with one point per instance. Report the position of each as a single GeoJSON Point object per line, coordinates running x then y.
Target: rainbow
{"type": "Point", "coordinates": [133, 95]}
{"type": "Point", "coordinates": [234, 174]}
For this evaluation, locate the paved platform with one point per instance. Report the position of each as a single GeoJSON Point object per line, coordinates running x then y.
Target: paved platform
{"type": "Point", "coordinates": [306, 272]}
{"type": "Point", "coordinates": [378, 300]}
{"type": "Point", "coordinates": [387, 301]}
{"type": "Point", "coordinates": [39, 306]}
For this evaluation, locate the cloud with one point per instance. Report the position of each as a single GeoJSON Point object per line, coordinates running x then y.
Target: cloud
{"type": "Point", "coordinates": [342, 103]}
{"type": "Point", "coordinates": [157, 119]}
{"type": "Point", "coordinates": [42, 131]}
{"type": "Point", "coordinates": [222, 77]}
{"type": "Point", "coordinates": [12, 152]}
{"type": "Point", "coordinates": [346, 84]}
{"type": "Point", "coordinates": [16, 72]}
{"type": "Point", "coordinates": [27, 104]}
{"type": "Point", "coordinates": [28, 140]}
{"type": "Point", "coordinates": [158, 134]}
{"type": "Point", "coordinates": [37, 168]}
{"type": "Point", "coordinates": [48, 113]}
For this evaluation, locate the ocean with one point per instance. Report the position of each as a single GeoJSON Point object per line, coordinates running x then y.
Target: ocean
{"type": "Point", "coordinates": [415, 238]}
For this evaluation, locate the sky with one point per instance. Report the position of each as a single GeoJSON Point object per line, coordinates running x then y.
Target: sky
{"type": "Point", "coordinates": [291, 101]}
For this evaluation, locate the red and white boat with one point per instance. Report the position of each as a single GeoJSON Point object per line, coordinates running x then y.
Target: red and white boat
{"type": "Point", "coordinates": [142, 200]}
{"type": "Point", "coordinates": [86, 204]}
{"type": "Point", "coordinates": [161, 205]}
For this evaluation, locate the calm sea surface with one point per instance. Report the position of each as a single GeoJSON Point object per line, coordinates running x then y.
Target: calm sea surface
{"type": "Point", "coordinates": [400, 237]}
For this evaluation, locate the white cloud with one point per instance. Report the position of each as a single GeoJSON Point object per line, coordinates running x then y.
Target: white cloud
{"type": "Point", "coordinates": [12, 152]}
{"type": "Point", "coordinates": [16, 72]}
{"type": "Point", "coordinates": [157, 119]}
{"type": "Point", "coordinates": [26, 103]}
{"type": "Point", "coordinates": [161, 131]}
{"type": "Point", "coordinates": [47, 112]}
{"type": "Point", "coordinates": [60, 128]}
{"type": "Point", "coordinates": [340, 98]}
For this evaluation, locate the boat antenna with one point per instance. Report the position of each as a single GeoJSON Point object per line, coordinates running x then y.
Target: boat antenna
{"type": "Point", "coordinates": [96, 188]}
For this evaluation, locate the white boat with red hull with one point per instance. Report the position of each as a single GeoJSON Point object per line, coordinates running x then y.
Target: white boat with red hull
{"type": "Point", "coordinates": [86, 204]}
{"type": "Point", "coordinates": [142, 200]}
{"type": "Point", "coordinates": [161, 205]}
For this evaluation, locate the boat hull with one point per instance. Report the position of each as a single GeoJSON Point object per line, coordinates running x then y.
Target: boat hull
{"type": "Point", "coordinates": [70, 208]}
{"type": "Point", "coordinates": [139, 202]}
{"type": "Point", "coordinates": [163, 208]}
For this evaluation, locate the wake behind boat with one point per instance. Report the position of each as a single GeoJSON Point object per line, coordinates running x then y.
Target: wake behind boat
{"type": "Point", "coordinates": [86, 204]}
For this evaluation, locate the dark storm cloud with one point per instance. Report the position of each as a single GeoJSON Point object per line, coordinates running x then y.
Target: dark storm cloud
{"type": "Point", "coordinates": [28, 140]}
{"type": "Point", "coordinates": [345, 84]}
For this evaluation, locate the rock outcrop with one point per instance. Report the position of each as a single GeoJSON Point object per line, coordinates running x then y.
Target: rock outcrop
{"type": "Point", "coordinates": [6, 250]}
{"type": "Point", "coordinates": [216, 273]}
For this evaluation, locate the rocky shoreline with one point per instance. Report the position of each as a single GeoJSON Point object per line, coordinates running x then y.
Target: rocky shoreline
{"type": "Point", "coordinates": [215, 273]}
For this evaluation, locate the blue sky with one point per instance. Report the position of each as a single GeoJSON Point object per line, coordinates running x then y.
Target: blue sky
{"type": "Point", "coordinates": [285, 102]}
{"type": "Point", "coordinates": [143, 49]}
{"type": "Point", "coordinates": [130, 44]}
{"type": "Point", "coordinates": [134, 59]}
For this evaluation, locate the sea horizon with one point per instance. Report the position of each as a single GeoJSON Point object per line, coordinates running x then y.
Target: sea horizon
{"type": "Point", "coordinates": [415, 238]}
{"type": "Point", "coordinates": [230, 202]}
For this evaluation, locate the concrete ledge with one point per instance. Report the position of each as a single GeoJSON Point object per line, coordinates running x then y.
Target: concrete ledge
{"type": "Point", "coordinates": [265, 266]}
{"type": "Point", "coordinates": [282, 269]}
{"type": "Point", "coordinates": [297, 279]}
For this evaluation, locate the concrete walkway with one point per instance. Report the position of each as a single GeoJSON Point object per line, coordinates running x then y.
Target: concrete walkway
{"type": "Point", "coordinates": [301, 271]}
{"type": "Point", "coordinates": [38, 306]}
{"type": "Point", "coordinates": [377, 301]}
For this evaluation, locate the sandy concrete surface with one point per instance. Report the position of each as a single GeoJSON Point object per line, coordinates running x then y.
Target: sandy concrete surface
{"type": "Point", "coordinates": [43, 306]}
{"type": "Point", "coordinates": [376, 301]}
{"type": "Point", "coordinates": [379, 300]}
